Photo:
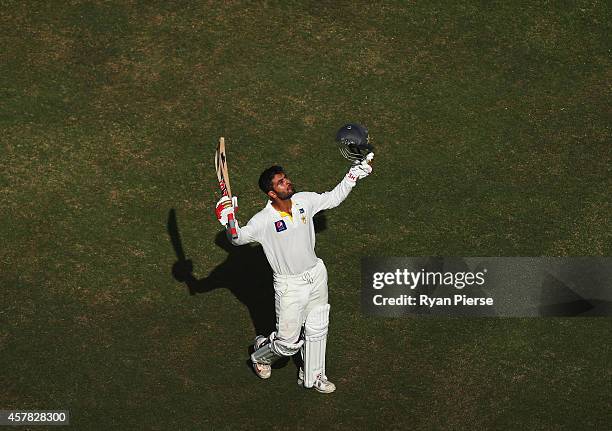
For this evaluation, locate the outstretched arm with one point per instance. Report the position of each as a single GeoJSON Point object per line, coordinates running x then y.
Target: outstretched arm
{"type": "Point", "coordinates": [333, 198]}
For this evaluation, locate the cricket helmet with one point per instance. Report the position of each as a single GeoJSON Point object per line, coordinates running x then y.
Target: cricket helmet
{"type": "Point", "coordinates": [354, 142]}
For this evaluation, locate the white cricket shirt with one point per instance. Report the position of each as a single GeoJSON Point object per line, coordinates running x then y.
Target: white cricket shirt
{"type": "Point", "coordinates": [289, 244]}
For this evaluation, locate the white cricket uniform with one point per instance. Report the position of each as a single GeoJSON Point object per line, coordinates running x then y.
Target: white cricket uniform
{"type": "Point", "coordinates": [300, 277]}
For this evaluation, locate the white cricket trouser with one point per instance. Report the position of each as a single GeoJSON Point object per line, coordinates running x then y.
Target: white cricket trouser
{"type": "Point", "coordinates": [295, 296]}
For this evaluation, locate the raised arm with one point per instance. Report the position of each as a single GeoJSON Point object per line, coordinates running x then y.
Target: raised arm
{"type": "Point", "coordinates": [333, 198]}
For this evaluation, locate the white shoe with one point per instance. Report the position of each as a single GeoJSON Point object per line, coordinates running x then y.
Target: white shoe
{"type": "Point", "coordinates": [263, 371]}
{"type": "Point", "coordinates": [320, 385]}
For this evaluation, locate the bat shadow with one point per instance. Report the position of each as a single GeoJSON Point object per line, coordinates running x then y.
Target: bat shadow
{"type": "Point", "coordinates": [245, 272]}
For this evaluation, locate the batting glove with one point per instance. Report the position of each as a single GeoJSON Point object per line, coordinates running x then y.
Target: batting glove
{"type": "Point", "coordinates": [225, 207]}
{"type": "Point", "coordinates": [360, 170]}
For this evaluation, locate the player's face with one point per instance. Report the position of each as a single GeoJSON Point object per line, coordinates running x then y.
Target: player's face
{"type": "Point", "coordinates": [282, 186]}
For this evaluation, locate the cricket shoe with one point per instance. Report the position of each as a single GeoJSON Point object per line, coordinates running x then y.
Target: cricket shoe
{"type": "Point", "coordinates": [263, 371]}
{"type": "Point", "coordinates": [320, 385]}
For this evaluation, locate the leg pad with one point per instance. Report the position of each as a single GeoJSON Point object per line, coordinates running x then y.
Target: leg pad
{"type": "Point", "coordinates": [315, 334]}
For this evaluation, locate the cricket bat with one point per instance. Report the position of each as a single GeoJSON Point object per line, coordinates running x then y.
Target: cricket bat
{"type": "Point", "coordinates": [224, 181]}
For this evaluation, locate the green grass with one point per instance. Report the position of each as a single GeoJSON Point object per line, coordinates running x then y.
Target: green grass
{"type": "Point", "coordinates": [492, 129]}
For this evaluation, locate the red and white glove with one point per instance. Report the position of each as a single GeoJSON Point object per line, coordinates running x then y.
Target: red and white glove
{"type": "Point", "coordinates": [360, 170]}
{"type": "Point", "coordinates": [225, 207]}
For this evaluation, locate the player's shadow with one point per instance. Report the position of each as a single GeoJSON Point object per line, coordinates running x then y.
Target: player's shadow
{"type": "Point", "coordinates": [245, 272]}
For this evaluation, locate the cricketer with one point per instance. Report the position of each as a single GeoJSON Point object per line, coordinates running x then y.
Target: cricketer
{"type": "Point", "coordinates": [285, 229]}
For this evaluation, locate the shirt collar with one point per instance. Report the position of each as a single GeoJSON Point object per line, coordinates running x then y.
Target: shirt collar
{"type": "Point", "coordinates": [294, 204]}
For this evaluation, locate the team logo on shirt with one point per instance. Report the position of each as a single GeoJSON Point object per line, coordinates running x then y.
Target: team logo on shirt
{"type": "Point", "coordinates": [301, 210]}
{"type": "Point", "coordinates": [280, 225]}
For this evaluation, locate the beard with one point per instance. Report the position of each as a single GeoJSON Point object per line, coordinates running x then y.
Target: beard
{"type": "Point", "coordinates": [286, 196]}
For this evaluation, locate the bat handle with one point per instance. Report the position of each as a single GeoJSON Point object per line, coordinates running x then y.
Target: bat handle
{"type": "Point", "coordinates": [232, 226]}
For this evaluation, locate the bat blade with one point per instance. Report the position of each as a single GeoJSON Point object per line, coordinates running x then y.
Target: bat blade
{"type": "Point", "coordinates": [221, 168]}
{"type": "Point", "coordinates": [224, 183]}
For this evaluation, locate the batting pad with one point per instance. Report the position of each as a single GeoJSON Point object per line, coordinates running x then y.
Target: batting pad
{"type": "Point", "coordinates": [315, 333]}
{"type": "Point", "coordinates": [272, 349]}
{"type": "Point", "coordinates": [264, 355]}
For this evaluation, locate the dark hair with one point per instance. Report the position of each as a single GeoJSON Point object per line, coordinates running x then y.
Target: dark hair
{"type": "Point", "coordinates": [265, 179]}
